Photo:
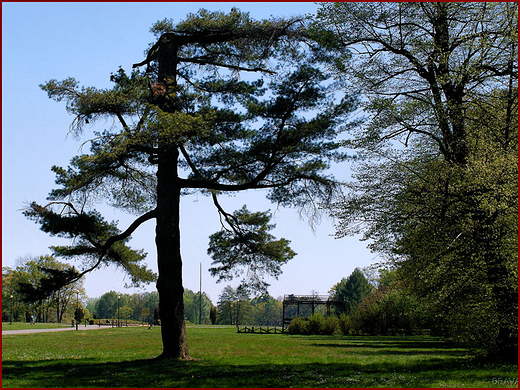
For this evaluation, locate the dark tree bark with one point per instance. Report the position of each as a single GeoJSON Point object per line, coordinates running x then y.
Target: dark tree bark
{"type": "Point", "coordinates": [168, 240]}
{"type": "Point", "coordinates": [169, 261]}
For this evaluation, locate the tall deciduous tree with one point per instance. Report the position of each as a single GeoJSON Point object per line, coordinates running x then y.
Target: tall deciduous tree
{"type": "Point", "coordinates": [419, 64]}
{"type": "Point", "coordinates": [450, 230]}
{"type": "Point", "coordinates": [198, 119]}
{"type": "Point", "coordinates": [437, 191]}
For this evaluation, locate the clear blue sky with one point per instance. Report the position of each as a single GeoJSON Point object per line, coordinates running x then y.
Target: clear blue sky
{"type": "Point", "coordinates": [88, 41]}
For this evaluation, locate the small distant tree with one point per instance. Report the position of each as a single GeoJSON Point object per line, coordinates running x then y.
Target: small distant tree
{"type": "Point", "coordinates": [106, 306]}
{"type": "Point", "coordinates": [79, 314]}
{"type": "Point", "coordinates": [243, 308]}
{"type": "Point", "coordinates": [226, 305]}
{"type": "Point", "coordinates": [36, 283]}
{"type": "Point", "coordinates": [234, 306]}
{"type": "Point", "coordinates": [267, 311]}
{"type": "Point", "coordinates": [193, 306]}
{"type": "Point", "coordinates": [352, 289]}
{"type": "Point", "coordinates": [125, 312]}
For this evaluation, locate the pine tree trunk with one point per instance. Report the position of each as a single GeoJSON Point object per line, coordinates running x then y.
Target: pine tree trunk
{"type": "Point", "coordinates": [169, 284]}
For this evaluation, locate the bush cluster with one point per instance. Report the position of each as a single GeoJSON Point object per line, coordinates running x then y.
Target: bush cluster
{"type": "Point", "coordinates": [319, 325]}
{"type": "Point", "coordinates": [385, 311]}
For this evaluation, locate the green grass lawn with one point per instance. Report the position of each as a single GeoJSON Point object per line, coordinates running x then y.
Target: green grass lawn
{"type": "Point", "coordinates": [123, 357]}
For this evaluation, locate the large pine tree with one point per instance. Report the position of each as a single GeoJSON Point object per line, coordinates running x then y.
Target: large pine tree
{"type": "Point", "coordinates": [222, 103]}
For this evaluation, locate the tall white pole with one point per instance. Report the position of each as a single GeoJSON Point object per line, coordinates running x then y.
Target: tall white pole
{"type": "Point", "coordinates": [200, 294]}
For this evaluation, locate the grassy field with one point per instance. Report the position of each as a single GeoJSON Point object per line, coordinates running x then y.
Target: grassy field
{"type": "Point", "coordinates": [123, 357]}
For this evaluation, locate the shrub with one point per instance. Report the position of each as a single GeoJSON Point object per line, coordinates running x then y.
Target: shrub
{"type": "Point", "coordinates": [345, 324]}
{"type": "Point", "coordinates": [368, 318]}
{"type": "Point", "coordinates": [388, 311]}
{"type": "Point", "coordinates": [315, 323]}
{"type": "Point", "coordinates": [330, 325]}
{"type": "Point", "coordinates": [297, 326]}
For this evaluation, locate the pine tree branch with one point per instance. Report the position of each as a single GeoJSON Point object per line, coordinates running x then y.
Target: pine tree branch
{"type": "Point", "coordinates": [208, 61]}
{"type": "Point", "coordinates": [138, 222]}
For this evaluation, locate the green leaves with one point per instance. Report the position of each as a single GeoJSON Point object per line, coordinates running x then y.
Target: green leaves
{"type": "Point", "coordinates": [250, 40]}
{"type": "Point", "coordinates": [451, 231]}
{"type": "Point", "coordinates": [38, 279]}
{"type": "Point", "coordinates": [352, 289]}
{"type": "Point", "coordinates": [51, 280]}
{"type": "Point", "coordinates": [116, 169]}
{"type": "Point", "coordinates": [283, 137]}
{"type": "Point", "coordinates": [248, 247]}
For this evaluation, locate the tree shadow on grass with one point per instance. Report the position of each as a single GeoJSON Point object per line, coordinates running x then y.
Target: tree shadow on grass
{"type": "Point", "coordinates": [386, 350]}
{"type": "Point", "coordinates": [206, 373]}
{"type": "Point", "coordinates": [394, 348]}
{"type": "Point", "coordinates": [396, 345]}
{"type": "Point", "coordinates": [386, 341]}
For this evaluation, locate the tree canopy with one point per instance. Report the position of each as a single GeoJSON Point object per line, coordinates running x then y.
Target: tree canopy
{"type": "Point", "coordinates": [420, 64]}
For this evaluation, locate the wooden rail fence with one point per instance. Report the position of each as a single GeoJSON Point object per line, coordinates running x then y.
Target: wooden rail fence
{"type": "Point", "coordinates": [259, 329]}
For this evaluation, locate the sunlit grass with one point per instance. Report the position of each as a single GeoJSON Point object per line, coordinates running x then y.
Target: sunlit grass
{"type": "Point", "coordinates": [124, 357]}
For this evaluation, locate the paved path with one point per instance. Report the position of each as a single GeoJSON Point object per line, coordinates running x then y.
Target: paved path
{"type": "Point", "coordinates": [35, 330]}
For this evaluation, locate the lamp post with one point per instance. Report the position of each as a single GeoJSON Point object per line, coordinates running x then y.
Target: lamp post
{"type": "Point", "coordinates": [118, 298]}
{"type": "Point", "coordinates": [77, 308]}
{"type": "Point", "coordinates": [11, 318]}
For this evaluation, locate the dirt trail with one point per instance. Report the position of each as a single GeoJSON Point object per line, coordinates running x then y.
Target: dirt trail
{"type": "Point", "coordinates": [35, 330]}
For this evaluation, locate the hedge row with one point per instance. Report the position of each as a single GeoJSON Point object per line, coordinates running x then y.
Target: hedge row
{"type": "Point", "coordinates": [320, 325]}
